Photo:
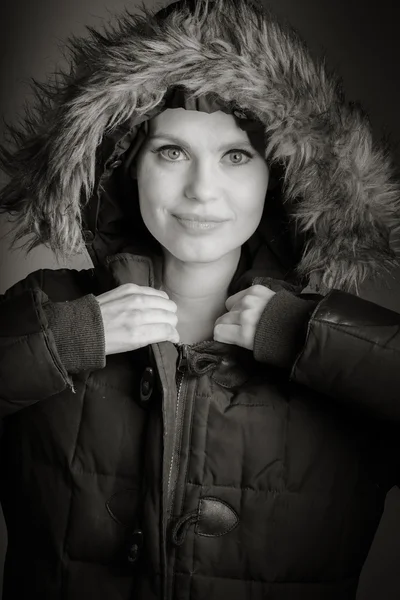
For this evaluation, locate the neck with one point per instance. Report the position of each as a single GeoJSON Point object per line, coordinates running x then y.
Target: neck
{"type": "Point", "coordinates": [200, 291]}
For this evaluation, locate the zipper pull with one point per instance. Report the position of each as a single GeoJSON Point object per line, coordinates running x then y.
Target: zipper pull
{"type": "Point", "coordinates": [183, 358]}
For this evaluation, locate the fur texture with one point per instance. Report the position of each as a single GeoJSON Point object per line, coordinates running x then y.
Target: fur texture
{"type": "Point", "coordinates": [338, 184]}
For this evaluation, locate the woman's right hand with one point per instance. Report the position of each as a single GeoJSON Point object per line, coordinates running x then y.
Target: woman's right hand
{"type": "Point", "coordinates": [135, 316]}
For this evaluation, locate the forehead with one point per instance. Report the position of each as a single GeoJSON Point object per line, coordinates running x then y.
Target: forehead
{"type": "Point", "coordinates": [196, 123]}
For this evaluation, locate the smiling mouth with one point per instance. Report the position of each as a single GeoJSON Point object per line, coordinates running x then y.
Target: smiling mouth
{"type": "Point", "coordinates": [195, 223]}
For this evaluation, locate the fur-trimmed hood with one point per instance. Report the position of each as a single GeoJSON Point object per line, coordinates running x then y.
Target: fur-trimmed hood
{"type": "Point", "coordinates": [338, 189]}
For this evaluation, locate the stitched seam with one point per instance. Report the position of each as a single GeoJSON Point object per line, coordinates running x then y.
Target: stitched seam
{"type": "Point", "coordinates": [92, 383]}
{"type": "Point", "coordinates": [68, 521]}
{"type": "Point", "coordinates": [189, 453]}
{"type": "Point", "coordinates": [89, 561]}
{"type": "Point", "coordinates": [196, 559]}
{"type": "Point", "coordinates": [67, 380]}
{"type": "Point", "coordinates": [275, 582]}
{"type": "Point", "coordinates": [20, 339]}
{"type": "Point", "coordinates": [247, 489]}
{"type": "Point", "coordinates": [179, 443]}
{"type": "Point", "coordinates": [226, 530]}
{"type": "Point", "coordinates": [79, 426]}
{"type": "Point", "coordinates": [359, 337]}
{"type": "Point", "coordinates": [121, 256]}
{"type": "Point", "coordinates": [249, 404]}
{"type": "Point", "coordinates": [206, 440]}
{"type": "Point", "coordinates": [63, 570]}
{"type": "Point", "coordinates": [46, 338]}
{"type": "Point", "coordinates": [90, 473]}
{"type": "Point", "coordinates": [307, 337]}
{"type": "Point", "coordinates": [97, 473]}
{"type": "Point", "coordinates": [157, 351]}
{"type": "Point", "coordinates": [32, 399]}
{"type": "Point", "coordinates": [42, 334]}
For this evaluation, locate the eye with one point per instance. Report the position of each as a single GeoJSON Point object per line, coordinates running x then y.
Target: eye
{"type": "Point", "coordinates": [170, 153]}
{"type": "Point", "coordinates": [173, 153]}
{"type": "Point", "coordinates": [237, 156]}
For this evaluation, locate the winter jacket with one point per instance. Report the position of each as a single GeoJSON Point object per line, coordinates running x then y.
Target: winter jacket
{"type": "Point", "coordinates": [185, 472]}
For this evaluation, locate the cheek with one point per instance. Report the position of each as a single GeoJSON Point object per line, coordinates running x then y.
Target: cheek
{"type": "Point", "coordinates": [156, 198]}
{"type": "Point", "coordinates": [261, 181]}
{"type": "Point", "coordinates": [252, 197]}
{"type": "Point", "coordinates": [249, 217]}
{"type": "Point", "coordinates": [154, 192]}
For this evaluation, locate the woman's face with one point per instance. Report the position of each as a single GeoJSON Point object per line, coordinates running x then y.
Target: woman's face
{"type": "Point", "coordinates": [201, 184]}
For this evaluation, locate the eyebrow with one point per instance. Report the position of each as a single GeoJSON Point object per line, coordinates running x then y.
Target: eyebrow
{"type": "Point", "coordinates": [180, 142]}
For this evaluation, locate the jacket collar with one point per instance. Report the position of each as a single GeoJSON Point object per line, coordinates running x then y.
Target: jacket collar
{"type": "Point", "coordinates": [132, 268]}
{"type": "Point", "coordinates": [225, 363]}
{"type": "Point", "coordinates": [142, 266]}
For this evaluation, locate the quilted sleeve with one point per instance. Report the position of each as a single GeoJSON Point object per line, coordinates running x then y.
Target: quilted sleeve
{"type": "Point", "coordinates": [352, 352]}
{"type": "Point", "coordinates": [35, 359]}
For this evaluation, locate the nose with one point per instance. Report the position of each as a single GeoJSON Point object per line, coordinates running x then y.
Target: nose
{"type": "Point", "coordinates": [202, 182]}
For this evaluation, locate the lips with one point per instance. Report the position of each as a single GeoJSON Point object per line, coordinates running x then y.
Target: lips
{"type": "Point", "coordinates": [199, 218]}
{"type": "Point", "coordinates": [199, 223]}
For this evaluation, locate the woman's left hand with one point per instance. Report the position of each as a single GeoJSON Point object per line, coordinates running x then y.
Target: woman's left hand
{"type": "Point", "coordinates": [238, 326]}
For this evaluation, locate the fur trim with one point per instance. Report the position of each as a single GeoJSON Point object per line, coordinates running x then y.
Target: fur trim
{"type": "Point", "coordinates": [338, 184]}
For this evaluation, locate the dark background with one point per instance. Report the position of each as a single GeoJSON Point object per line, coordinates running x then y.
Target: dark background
{"type": "Point", "coordinates": [359, 39]}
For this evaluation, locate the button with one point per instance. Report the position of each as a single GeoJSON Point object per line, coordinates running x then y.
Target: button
{"type": "Point", "coordinates": [146, 384]}
{"type": "Point", "coordinates": [136, 546]}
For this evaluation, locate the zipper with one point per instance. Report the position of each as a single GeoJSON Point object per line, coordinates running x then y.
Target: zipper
{"type": "Point", "coordinates": [179, 414]}
{"type": "Point", "coordinates": [182, 368]}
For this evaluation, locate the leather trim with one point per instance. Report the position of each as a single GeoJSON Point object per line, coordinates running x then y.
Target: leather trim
{"type": "Point", "coordinates": [215, 517]}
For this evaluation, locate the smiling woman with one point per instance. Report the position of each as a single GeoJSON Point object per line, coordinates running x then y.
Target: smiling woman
{"type": "Point", "coordinates": [212, 410]}
{"type": "Point", "coordinates": [201, 199]}
{"type": "Point", "coordinates": [202, 189]}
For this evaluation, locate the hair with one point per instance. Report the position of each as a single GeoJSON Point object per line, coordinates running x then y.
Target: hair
{"type": "Point", "coordinates": [339, 184]}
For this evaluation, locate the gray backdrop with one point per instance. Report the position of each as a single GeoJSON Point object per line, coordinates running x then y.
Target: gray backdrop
{"type": "Point", "coordinates": [359, 40]}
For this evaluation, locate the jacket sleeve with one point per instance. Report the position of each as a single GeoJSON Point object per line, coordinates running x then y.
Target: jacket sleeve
{"type": "Point", "coordinates": [341, 345]}
{"type": "Point", "coordinates": [43, 342]}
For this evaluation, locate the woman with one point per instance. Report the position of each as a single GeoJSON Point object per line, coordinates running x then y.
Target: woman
{"type": "Point", "coordinates": [181, 421]}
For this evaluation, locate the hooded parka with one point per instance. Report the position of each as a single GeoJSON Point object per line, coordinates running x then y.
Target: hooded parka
{"type": "Point", "coordinates": [186, 472]}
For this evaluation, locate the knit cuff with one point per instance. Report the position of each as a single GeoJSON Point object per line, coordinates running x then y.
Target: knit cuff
{"type": "Point", "coordinates": [282, 329]}
{"type": "Point", "coordinates": [78, 331]}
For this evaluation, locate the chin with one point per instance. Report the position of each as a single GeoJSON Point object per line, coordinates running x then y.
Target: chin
{"type": "Point", "coordinates": [205, 255]}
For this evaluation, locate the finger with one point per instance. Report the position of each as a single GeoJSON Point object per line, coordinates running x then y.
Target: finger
{"type": "Point", "coordinates": [249, 296]}
{"type": "Point", "coordinates": [262, 291]}
{"type": "Point", "coordinates": [227, 333]}
{"type": "Point", "coordinates": [152, 316]}
{"type": "Point", "coordinates": [259, 288]}
{"type": "Point", "coordinates": [143, 289]}
{"type": "Point", "coordinates": [147, 302]}
{"type": "Point", "coordinates": [155, 333]}
{"type": "Point", "coordinates": [232, 317]}
{"type": "Point", "coordinates": [140, 337]}
{"type": "Point", "coordinates": [128, 289]}
{"type": "Point", "coordinates": [232, 300]}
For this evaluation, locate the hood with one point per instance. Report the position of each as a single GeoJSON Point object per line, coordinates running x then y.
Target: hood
{"type": "Point", "coordinates": [337, 205]}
